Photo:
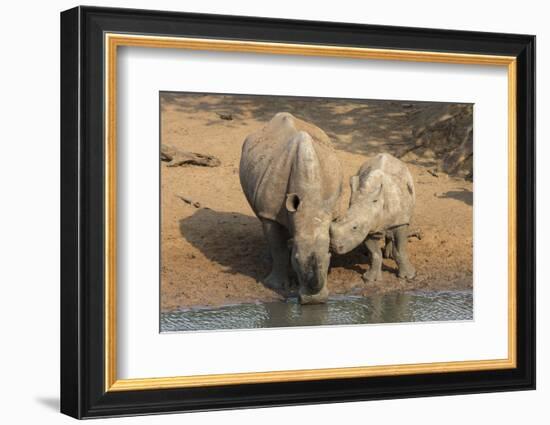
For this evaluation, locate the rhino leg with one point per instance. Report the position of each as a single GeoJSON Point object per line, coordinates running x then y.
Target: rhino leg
{"type": "Point", "coordinates": [388, 248]}
{"type": "Point", "coordinates": [277, 237]}
{"type": "Point", "coordinates": [405, 268]}
{"type": "Point", "coordinates": [375, 271]}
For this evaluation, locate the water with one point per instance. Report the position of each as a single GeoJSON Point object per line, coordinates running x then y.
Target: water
{"type": "Point", "coordinates": [339, 310]}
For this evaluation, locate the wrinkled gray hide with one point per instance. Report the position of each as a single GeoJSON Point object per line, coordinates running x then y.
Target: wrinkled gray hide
{"type": "Point", "coordinates": [292, 179]}
{"type": "Point", "coordinates": [381, 207]}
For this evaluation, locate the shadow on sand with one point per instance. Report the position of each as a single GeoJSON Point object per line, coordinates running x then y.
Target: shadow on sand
{"type": "Point", "coordinates": [231, 239]}
{"type": "Point", "coordinates": [464, 195]}
{"type": "Point", "coordinates": [236, 242]}
{"type": "Point", "coordinates": [354, 125]}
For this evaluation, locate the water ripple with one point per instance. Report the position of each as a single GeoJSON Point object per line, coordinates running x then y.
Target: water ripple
{"type": "Point", "coordinates": [339, 310]}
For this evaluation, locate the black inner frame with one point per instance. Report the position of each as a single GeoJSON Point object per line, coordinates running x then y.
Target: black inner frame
{"type": "Point", "coordinates": [82, 206]}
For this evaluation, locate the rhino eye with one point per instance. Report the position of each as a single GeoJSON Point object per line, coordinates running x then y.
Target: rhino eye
{"type": "Point", "coordinates": [376, 200]}
{"type": "Point", "coordinates": [354, 227]}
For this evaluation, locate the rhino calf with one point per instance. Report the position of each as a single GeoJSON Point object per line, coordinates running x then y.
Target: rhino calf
{"type": "Point", "coordinates": [381, 207]}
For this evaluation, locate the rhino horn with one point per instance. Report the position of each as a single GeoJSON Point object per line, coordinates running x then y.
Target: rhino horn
{"type": "Point", "coordinates": [306, 170]}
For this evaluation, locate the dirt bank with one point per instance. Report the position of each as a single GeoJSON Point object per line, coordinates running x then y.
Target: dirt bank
{"type": "Point", "coordinates": [215, 253]}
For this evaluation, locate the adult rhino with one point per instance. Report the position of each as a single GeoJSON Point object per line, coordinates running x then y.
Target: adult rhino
{"type": "Point", "coordinates": [292, 179]}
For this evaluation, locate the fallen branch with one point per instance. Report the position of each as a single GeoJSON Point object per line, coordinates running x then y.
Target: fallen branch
{"type": "Point", "coordinates": [176, 158]}
{"type": "Point", "coordinates": [189, 201]}
{"type": "Point", "coordinates": [227, 117]}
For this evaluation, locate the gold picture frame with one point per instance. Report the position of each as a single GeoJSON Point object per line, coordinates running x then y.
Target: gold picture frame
{"type": "Point", "coordinates": [114, 41]}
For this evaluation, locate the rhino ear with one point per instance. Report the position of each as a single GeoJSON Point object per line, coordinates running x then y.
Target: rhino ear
{"type": "Point", "coordinates": [292, 202]}
{"type": "Point", "coordinates": [354, 183]}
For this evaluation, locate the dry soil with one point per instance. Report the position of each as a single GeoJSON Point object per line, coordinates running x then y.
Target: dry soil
{"type": "Point", "coordinates": [214, 253]}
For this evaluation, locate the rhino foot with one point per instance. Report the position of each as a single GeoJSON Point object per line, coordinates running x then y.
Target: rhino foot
{"type": "Point", "coordinates": [406, 272]}
{"type": "Point", "coordinates": [318, 298]}
{"type": "Point", "coordinates": [372, 275]}
{"type": "Point", "coordinates": [276, 282]}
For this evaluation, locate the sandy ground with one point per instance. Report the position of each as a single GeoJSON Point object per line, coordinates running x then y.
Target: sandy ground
{"type": "Point", "coordinates": [216, 254]}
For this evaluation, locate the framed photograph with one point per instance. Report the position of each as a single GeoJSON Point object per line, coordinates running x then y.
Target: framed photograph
{"type": "Point", "coordinates": [261, 212]}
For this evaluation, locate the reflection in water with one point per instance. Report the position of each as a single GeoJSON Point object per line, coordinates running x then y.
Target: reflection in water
{"type": "Point", "coordinates": [343, 310]}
